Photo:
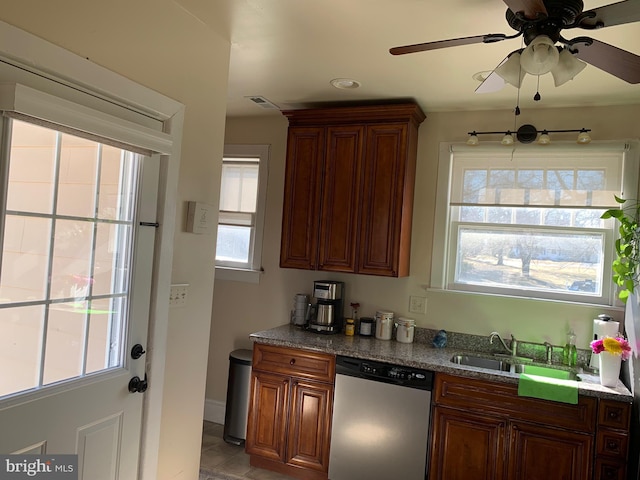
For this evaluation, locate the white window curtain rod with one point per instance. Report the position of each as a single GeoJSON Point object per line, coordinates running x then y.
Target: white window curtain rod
{"type": "Point", "coordinates": [22, 102]}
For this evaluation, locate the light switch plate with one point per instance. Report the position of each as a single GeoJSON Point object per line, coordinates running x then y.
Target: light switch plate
{"type": "Point", "coordinates": [178, 295]}
{"type": "Point", "coordinates": [418, 305]}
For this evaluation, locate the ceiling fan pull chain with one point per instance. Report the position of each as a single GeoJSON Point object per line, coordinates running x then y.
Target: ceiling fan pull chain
{"type": "Point", "coordinates": [537, 96]}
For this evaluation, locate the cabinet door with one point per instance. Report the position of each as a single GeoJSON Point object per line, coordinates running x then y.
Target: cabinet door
{"type": "Point", "coordinates": [466, 446]}
{"type": "Point", "coordinates": [310, 425]}
{"type": "Point", "coordinates": [341, 199]}
{"type": "Point", "coordinates": [546, 453]}
{"type": "Point", "coordinates": [266, 424]}
{"type": "Point", "coordinates": [302, 186]}
{"type": "Point", "coordinates": [387, 202]}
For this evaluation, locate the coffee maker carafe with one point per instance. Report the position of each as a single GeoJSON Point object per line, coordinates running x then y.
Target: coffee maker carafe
{"type": "Point", "coordinates": [327, 316]}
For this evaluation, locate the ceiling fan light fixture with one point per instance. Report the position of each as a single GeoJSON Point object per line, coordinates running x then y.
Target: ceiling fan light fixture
{"type": "Point", "coordinates": [473, 139]}
{"type": "Point", "coordinates": [511, 71]}
{"type": "Point", "coordinates": [540, 56]}
{"type": "Point", "coordinates": [568, 67]}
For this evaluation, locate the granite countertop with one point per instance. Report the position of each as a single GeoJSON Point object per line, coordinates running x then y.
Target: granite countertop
{"type": "Point", "coordinates": [420, 354]}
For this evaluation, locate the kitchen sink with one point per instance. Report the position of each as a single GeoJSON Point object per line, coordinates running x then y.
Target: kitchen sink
{"type": "Point", "coordinates": [481, 362]}
{"type": "Point", "coordinates": [504, 366]}
{"type": "Point", "coordinates": [549, 372]}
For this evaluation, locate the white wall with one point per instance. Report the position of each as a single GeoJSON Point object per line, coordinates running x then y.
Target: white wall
{"type": "Point", "coordinates": [157, 44]}
{"type": "Point", "coordinates": [239, 309]}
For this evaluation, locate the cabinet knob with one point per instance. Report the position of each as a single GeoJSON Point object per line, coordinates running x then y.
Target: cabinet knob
{"type": "Point", "coordinates": [614, 413]}
{"type": "Point", "coordinates": [609, 473]}
{"type": "Point", "coordinates": [612, 445]}
{"type": "Point", "coordinates": [292, 361]}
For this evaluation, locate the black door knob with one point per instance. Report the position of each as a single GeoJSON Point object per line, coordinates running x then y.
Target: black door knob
{"type": "Point", "coordinates": [137, 351]}
{"type": "Point", "coordinates": [138, 386]}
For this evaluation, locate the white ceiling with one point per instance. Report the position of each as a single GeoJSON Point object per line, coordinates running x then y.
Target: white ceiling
{"type": "Point", "coordinates": [288, 50]}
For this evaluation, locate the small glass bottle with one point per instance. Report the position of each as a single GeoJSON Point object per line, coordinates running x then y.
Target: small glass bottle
{"type": "Point", "coordinates": [350, 327]}
{"type": "Point", "coordinates": [569, 352]}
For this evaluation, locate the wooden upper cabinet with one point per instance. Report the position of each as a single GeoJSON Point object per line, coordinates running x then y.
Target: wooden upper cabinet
{"type": "Point", "coordinates": [302, 187]}
{"type": "Point", "coordinates": [340, 199]}
{"type": "Point", "coordinates": [355, 214]}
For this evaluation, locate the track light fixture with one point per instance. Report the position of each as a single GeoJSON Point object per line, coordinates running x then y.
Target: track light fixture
{"type": "Point", "coordinates": [528, 134]}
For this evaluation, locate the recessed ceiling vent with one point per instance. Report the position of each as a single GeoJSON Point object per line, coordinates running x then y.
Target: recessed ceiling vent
{"type": "Point", "coordinates": [263, 102]}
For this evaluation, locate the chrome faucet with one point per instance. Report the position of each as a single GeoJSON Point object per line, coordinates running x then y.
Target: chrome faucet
{"type": "Point", "coordinates": [514, 343]}
{"type": "Point", "coordinates": [548, 352]}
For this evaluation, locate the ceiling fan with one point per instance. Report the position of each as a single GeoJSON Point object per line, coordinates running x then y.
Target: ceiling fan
{"type": "Point", "coordinates": [541, 22]}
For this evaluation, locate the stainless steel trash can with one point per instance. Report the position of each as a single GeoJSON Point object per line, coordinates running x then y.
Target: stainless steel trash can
{"type": "Point", "coordinates": [238, 390]}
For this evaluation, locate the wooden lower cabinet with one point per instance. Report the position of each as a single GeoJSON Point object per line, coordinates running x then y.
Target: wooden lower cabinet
{"type": "Point", "coordinates": [484, 430]}
{"type": "Point", "coordinates": [541, 452]}
{"type": "Point", "coordinates": [466, 446]}
{"type": "Point", "coordinates": [289, 423]}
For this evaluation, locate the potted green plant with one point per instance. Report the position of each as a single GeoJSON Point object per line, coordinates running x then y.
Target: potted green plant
{"type": "Point", "coordinates": [625, 266]}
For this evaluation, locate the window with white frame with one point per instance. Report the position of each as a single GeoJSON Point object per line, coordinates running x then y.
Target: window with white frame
{"type": "Point", "coordinates": [242, 205]}
{"type": "Point", "coordinates": [527, 223]}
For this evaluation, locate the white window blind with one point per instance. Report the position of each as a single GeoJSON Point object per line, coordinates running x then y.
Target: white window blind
{"type": "Point", "coordinates": [527, 223]}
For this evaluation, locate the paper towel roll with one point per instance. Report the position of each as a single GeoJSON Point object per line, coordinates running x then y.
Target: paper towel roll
{"type": "Point", "coordinates": [602, 329]}
{"type": "Point", "coordinates": [605, 329]}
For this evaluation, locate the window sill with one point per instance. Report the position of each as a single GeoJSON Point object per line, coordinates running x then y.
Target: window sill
{"type": "Point", "coordinates": [238, 275]}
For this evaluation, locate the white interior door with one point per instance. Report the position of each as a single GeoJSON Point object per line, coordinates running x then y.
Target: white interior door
{"type": "Point", "coordinates": [75, 282]}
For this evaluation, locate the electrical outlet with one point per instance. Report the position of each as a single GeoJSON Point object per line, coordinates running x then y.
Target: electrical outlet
{"type": "Point", "coordinates": [178, 295]}
{"type": "Point", "coordinates": [418, 305]}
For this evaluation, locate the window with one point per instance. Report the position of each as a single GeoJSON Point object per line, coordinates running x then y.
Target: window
{"type": "Point", "coordinates": [66, 257]}
{"type": "Point", "coordinates": [242, 204]}
{"type": "Point", "coordinates": [528, 223]}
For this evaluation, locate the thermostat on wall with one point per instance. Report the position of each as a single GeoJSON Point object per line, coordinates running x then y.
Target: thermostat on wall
{"type": "Point", "coordinates": [200, 217]}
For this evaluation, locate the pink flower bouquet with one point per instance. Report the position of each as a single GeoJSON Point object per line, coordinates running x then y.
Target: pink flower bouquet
{"type": "Point", "coordinates": [613, 346]}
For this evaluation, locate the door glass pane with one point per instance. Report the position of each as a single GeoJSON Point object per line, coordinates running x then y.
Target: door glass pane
{"type": "Point", "coordinates": [65, 343]}
{"type": "Point", "coordinates": [77, 177]}
{"type": "Point", "coordinates": [71, 269]}
{"type": "Point", "coordinates": [66, 262]}
{"type": "Point", "coordinates": [20, 346]}
{"type": "Point", "coordinates": [24, 271]}
{"type": "Point", "coordinates": [31, 173]}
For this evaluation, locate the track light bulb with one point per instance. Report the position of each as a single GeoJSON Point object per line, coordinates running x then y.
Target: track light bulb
{"type": "Point", "coordinates": [473, 140]}
{"type": "Point", "coordinates": [544, 138]}
{"type": "Point", "coordinates": [507, 139]}
{"type": "Point", "coordinates": [584, 137]}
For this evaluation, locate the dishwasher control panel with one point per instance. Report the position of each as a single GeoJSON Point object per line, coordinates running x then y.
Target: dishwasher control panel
{"type": "Point", "coordinates": [385, 372]}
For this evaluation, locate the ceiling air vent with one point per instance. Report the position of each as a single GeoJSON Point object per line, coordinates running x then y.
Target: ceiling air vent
{"type": "Point", "coordinates": [263, 102]}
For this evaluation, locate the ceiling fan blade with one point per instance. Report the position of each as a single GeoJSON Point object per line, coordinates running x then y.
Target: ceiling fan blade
{"type": "Point", "coordinates": [620, 63]}
{"type": "Point", "coordinates": [453, 42]}
{"type": "Point", "coordinates": [530, 8]}
{"type": "Point", "coordinates": [493, 82]}
{"type": "Point", "coordinates": [627, 11]}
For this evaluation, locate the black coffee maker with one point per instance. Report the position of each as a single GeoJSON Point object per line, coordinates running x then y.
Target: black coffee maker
{"type": "Point", "coordinates": [327, 313]}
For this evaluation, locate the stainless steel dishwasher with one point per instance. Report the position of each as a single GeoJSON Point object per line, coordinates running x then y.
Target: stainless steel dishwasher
{"type": "Point", "coordinates": [380, 427]}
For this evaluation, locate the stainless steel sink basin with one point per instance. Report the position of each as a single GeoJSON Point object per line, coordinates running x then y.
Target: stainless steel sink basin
{"type": "Point", "coordinates": [504, 366]}
{"type": "Point", "coordinates": [481, 362]}
{"type": "Point", "coordinates": [549, 372]}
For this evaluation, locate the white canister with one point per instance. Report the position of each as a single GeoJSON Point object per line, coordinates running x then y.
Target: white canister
{"type": "Point", "coordinates": [384, 325]}
{"type": "Point", "coordinates": [405, 328]}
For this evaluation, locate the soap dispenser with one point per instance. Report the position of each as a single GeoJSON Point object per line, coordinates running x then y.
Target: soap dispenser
{"type": "Point", "coordinates": [570, 353]}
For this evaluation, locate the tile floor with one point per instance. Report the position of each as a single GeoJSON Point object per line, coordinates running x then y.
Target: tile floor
{"type": "Point", "coordinates": [221, 460]}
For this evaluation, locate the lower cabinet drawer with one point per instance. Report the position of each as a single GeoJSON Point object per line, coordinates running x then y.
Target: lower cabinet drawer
{"type": "Point", "coordinates": [611, 444]}
{"type": "Point", "coordinates": [294, 362]}
{"type": "Point", "coordinates": [610, 470]}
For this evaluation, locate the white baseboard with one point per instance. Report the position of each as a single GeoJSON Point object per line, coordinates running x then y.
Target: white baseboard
{"type": "Point", "coordinates": [214, 411]}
